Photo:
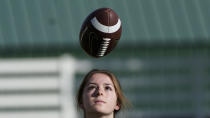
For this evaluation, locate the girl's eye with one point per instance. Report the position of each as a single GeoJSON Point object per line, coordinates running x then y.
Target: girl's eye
{"type": "Point", "coordinates": [108, 88]}
{"type": "Point", "coordinates": [91, 87]}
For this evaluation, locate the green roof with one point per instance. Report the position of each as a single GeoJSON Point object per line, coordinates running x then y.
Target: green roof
{"type": "Point", "coordinates": [45, 24]}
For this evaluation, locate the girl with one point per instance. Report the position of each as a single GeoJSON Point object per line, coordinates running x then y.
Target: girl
{"type": "Point", "coordinates": [100, 95]}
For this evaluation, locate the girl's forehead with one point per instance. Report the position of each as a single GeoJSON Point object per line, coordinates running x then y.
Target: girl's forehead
{"type": "Point", "coordinates": [100, 78]}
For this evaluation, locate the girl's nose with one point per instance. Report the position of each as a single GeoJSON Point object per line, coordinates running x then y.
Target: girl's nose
{"type": "Point", "coordinates": [99, 92]}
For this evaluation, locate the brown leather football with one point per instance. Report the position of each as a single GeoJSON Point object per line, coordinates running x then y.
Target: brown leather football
{"type": "Point", "coordinates": [100, 32]}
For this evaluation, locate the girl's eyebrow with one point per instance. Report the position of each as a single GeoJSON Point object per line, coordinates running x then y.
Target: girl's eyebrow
{"type": "Point", "coordinates": [108, 84]}
{"type": "Point", "coordinates": [97, 84]}
{"type": "Point", "coordinates": [92, 83]}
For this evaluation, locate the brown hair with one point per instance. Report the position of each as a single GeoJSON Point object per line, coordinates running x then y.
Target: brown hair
{"type": "Point", "coordinates": [121, 100]}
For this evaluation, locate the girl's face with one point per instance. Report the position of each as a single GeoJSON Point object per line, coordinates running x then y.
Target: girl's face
{"type": "Point", "coordinates": [99, 95]}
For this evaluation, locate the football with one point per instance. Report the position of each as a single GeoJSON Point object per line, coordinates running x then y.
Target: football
{"type": "Point", "coordinates": [100, 32]}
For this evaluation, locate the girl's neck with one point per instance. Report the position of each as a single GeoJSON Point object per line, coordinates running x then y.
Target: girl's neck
{"type": "Point", "coordinates": [95, 115]}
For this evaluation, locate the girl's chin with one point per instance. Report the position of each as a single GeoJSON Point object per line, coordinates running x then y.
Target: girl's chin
{"type": "Point", "coordinates": [98, 109]}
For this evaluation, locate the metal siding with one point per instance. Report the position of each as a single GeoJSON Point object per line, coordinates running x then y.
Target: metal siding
{"type": "Point", "coordinates": [47, 23]}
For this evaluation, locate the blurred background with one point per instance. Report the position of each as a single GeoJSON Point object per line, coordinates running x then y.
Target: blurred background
{"type": "Point", "coordinates": [161, 60]}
